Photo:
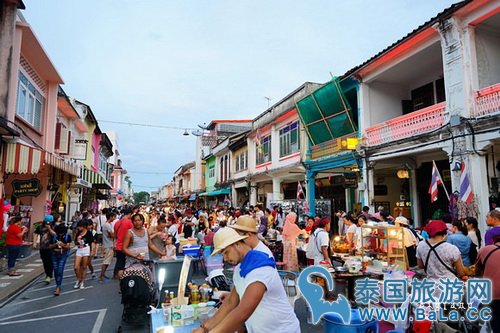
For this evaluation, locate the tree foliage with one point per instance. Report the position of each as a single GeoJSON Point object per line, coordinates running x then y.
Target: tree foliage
{"type": "Point", "coordinates": [141, 197]}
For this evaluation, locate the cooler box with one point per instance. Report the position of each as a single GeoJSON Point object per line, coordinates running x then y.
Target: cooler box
{"type": "Point", "coordinates": [192, 251]}
{"type": "Point", "coordinates": [333, 324]}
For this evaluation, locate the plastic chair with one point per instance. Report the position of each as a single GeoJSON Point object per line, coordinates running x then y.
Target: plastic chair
{"type": "Point", "coordinates": [198, 261]}
{"type": "Point", "coordinates": [289, 280]}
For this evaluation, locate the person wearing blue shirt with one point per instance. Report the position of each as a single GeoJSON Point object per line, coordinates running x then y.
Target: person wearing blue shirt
{"type": "Point", "coordinates": [460, 240]}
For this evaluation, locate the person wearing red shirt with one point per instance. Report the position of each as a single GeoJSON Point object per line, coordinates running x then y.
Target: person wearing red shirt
{"type": "Point", "coordinates": [121, 228]}
{"type": "Point", "coordinates": [14, 240]}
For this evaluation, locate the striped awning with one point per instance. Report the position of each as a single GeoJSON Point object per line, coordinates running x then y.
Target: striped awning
{"type": "Point", "coordinates": [21, 159]}
{"type": "Point", "coordinates": [95, 178]}
{"type": "Point", "coordinates": [61, 164]}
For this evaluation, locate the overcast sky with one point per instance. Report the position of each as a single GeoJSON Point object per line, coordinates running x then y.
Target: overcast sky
{"type": "Point", "coordinates": [183, 63]}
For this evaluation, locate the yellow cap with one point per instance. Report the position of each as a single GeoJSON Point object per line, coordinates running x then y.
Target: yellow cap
{"type": "Point", "coordinates": [245, 223]}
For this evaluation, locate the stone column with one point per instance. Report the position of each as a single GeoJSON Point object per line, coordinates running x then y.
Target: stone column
{"type": "Point", "coordinates": [311, 194]}
{"type": "Point", "coordinates": [480, 188]}
{"type": "Point", "coordinates": [253, 193]}
{"type": "Point", "coordinates": [370, 192]}
{"type": "Point", "coordinates": [415, 203]}
{"type": "Point", "coordinates": [277, 194]}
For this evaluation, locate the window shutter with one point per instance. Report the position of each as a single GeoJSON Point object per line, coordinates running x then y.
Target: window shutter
{"type": "Point", "coordinates": [58, 136]}
{"type": "Point", "coordinates": [68, 146]}
{"type": "Point", "coordinates": [62, 139]}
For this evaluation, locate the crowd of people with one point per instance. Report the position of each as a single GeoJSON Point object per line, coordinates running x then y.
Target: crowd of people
{"type": "Point", "coordinates": [444, 247]}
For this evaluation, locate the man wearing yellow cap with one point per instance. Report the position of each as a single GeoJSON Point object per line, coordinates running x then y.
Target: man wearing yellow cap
{"type": "Point", "coordinates": [258, 299]}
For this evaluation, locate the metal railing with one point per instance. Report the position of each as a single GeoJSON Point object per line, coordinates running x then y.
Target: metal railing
{"type": "Point", "coordinates": [487, 100]}
{"type": "Point", "coordinates": [406, 126]}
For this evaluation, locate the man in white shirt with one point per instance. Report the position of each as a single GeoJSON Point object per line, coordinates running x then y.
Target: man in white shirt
{"type": "Point", "coordinates": [320, 241]}
{"type": "Point", "coordinates": [258, 299]}
{"type": "Point", "coordinates": [190, 222]}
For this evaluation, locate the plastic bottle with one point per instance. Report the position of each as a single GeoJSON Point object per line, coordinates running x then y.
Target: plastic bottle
{"type": "Point", "coordinates": [195, 296]}
{"type": "Point", "coordinates": [166, 300]}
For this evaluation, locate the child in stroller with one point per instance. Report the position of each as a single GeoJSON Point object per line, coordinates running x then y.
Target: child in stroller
{"type": "Point", "coordinates": [138, 292]}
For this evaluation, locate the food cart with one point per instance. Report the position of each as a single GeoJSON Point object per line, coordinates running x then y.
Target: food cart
{"type": "Point", "coordinates": [384, 243]}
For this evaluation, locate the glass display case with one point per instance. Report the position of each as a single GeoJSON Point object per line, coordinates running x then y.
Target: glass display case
{"type": "Point", "coordinates": [385, 243]}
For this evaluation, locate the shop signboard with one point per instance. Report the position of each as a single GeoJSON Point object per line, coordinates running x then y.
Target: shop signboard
{"type": "Point", "coordinates": [26, 188]}
{"type": "Point", "coordinates": [80, 150]}
{"type": "Point", "coordinates": [350, 180]}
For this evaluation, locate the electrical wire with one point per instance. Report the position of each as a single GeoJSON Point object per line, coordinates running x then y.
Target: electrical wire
{"type": "Point", "coordinates": [144, 186]}
{"type": "Point", "coordinates": [146, 125]}
{"type": "Point", "coordinates": [151, 172]}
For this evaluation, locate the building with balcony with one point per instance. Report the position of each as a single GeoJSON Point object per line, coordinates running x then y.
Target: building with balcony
{"type": "Point", "coordinates": [182, 181]}
{"type": "Point", "coordinates": [209, 137]}
{"type": "Point", "coordinates": [36, 163]}
{"type": "Point", "coordinates": [433, 96]}
{"type": "Point", "coordinates": [329, 115]}
{"type": "Point", "coordinates": [276, 148]}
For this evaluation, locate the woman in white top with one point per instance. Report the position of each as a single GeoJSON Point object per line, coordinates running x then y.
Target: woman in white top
{"type": "Point", "coordinates": [358, 238]}
{"type": "Point", "coordinates": [438, 258]}
{"type": "Point", "coordinates": [473, 231]}
{"type": "Point", "coordinates": [351, 226]}
{"type": "Point", "coordinates": [136, 243]}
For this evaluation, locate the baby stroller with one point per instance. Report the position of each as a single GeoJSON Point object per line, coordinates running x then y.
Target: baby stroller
{"type": "Point", "coordinates": [137, 287]}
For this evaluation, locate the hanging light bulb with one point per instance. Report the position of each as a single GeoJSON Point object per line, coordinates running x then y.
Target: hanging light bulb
{"type": "Point", "coordinates": [185, 132]}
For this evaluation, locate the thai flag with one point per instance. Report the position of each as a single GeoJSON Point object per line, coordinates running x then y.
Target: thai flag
{"type": "Point", "coordinates": [436, 180]}
{"type": "Point", "coordinates": [300, 191]}
{"type": "Point", "coordinates": [466, 194]}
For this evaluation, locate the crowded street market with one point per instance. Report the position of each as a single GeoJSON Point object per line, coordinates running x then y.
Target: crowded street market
{"type": "Point", "coordinates": [151, 191]}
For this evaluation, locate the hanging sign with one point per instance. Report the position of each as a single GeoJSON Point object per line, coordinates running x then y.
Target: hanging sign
{"type": "Point", "coordinates": [26, 188]}
{"type": "Point", "coordinates": [80, 150]}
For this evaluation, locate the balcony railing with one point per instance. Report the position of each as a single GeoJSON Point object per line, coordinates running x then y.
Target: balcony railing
{"type": "Point", "coordinates": [415, 123]}
{"type": "Point", "coordinates": [488, 100]}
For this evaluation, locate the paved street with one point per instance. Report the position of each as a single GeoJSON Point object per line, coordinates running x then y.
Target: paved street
{"type": "Point", "coordinates": [95, 309]}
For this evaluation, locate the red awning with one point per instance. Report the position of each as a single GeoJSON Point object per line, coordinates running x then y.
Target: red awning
{"type": "Point", "coordinates": [22, 159]}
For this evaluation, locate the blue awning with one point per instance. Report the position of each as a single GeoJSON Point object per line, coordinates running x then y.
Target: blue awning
{"type": "Point", "coordinates": [222, 191]}
{"type": "Point", "coordinates": [192, 197]}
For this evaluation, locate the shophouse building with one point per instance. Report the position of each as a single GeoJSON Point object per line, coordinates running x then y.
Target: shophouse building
{"type": "Point", "coordinates": [276, 149]}
{"type": "Point", "coordinates": [37, 168]}
{"type": "Point", "coordinates": [329, 115]}
{"type": "Point", "coordinates": [434, 95]}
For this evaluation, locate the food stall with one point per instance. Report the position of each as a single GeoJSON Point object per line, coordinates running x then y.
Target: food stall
{"type": "Point", "coordinates": [384, 243]}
